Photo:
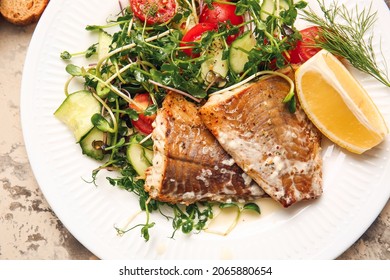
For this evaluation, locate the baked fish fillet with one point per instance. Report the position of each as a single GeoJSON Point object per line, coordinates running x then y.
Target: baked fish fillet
{"type": "Point", "coordinates": [189, 165]}
{"type": "Point", "coordinates": [277, 149]}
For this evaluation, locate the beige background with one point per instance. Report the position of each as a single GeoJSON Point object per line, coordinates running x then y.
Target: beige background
{"type": "Point", "coordinates": [28, 227]}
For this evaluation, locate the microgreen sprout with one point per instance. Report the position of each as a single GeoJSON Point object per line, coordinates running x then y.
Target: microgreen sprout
{"type": "Point", "coordinates": [65, 55]}
{"type": "Point", "coordinates": [251, 206]}
{"type": "Point", "coordinates": [101, 123]}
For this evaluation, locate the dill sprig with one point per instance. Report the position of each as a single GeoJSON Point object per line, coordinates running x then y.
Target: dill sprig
{"type": "Point", "coordinates": [343, 32]}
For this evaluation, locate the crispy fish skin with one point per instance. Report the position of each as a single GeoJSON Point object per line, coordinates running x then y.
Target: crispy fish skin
{"type": "Point", "coordinates": [189, 164]}
{"type": "Point", "coordinates": [277, 149]}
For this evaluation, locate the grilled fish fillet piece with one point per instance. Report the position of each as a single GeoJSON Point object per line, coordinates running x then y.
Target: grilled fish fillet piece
{"type": "Point", "coordinates": [189, 165]}
{"type": "Point", "coordinates": [277, 149]}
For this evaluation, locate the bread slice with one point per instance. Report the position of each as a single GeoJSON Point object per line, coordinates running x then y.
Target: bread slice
{"type": "Point", "coordinates": [22, 12]}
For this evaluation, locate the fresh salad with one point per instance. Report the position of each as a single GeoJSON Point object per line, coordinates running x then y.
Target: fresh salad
{"type": "Point", "coordinates": [195, 48]}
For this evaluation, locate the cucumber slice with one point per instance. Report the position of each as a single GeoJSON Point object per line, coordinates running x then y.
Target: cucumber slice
{"type": "Point", "coordinates": [104, 40]}
{"type": "Point", "coordinates": [238, 53]}
{"type": "Point", "coordinates": [76, 112]}
{"type": "Point", "coordinates": [267, 8]}
{"type": "Point", "coordinates": [91, 142]}
{"type": "Point", "coordinates": [216, 64]}
{"type": "Point", "coordinates": [149, 155]}
{"type": "Point", "coordinates": [139, 157]}
{"type": "Point", "coordinates": [283, 5]}
{"type": "Point", "coordinates": [103, 49]}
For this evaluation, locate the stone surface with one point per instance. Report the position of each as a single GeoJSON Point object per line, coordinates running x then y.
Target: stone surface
{"type": "Point", "coordinates": [28, 227]}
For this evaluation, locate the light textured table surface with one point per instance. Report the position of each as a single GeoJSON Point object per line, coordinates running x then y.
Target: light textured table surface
{"type": "Point", "coordinates": [28, 227]}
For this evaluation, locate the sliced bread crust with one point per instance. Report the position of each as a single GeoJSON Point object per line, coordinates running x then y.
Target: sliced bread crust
{"type": "Point", "coordinates": [22, 12]}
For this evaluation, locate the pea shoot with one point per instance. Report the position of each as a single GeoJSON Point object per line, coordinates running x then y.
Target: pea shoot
{"type": "Point", "coordinates": [65, 55]}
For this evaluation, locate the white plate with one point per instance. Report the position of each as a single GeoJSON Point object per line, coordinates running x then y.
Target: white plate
{"type": "Point", "coordinates": [356, 188]}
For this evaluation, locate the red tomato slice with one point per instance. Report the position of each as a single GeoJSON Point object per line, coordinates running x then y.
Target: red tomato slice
{"type": "Point", "coordinates": [143, 126]}
{"type": "Point", "coordinates": [222, 13]}
{"type": "Point", "coordinates": [144, 123]}
{"type": "Point", "coordinates": [195, 34]}
{"type": "Point", "coordinates": [293, 55]}
{"type": "Point", "coordinates": [304, 49]}
{"type": "Point", "coordinates": [309, 36]}
{"type": "Point", "coordinates": [153, 11]}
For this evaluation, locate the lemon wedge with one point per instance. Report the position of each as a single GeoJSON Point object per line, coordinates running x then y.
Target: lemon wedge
{"type": "Point", "coordinates": [338, 105]}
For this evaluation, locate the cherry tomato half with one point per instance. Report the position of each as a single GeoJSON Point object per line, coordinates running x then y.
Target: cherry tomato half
{"type": "Point", "coordinates": [144, 123]}
{"type": "Point", "coordinates": [222, 13]}
{"type": "Point", "coordinates": [195, 34]}
{"type": "Point", "coordinates": [304, 49]}
{"type": "Point", "coordinates": [153, 11]}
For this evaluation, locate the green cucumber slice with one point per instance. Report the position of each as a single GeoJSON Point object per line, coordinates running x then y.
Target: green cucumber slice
{"type": "Point", "coordinates": [267, 9]}
{"type": "Point", "coordinates": [139, 157]}
{"type": "Point", "coordinates": [76, 112]}
{"type": "Point", "coordinates": [216, 64]}
{"type": "Point", "coordinates": [238, 53]}
{"type": "Point", "coordinates": [149, 155]}
{"type": "Point", "coordinates": [104, 40]}
{"type": "Point", "coordinates": [91, 142]}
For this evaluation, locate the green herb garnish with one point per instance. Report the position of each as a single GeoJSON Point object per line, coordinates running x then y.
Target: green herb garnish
{"type": "Point", "coordinates": [65, 55]}
{"type": "Point", "coordinates": [343, 33]}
